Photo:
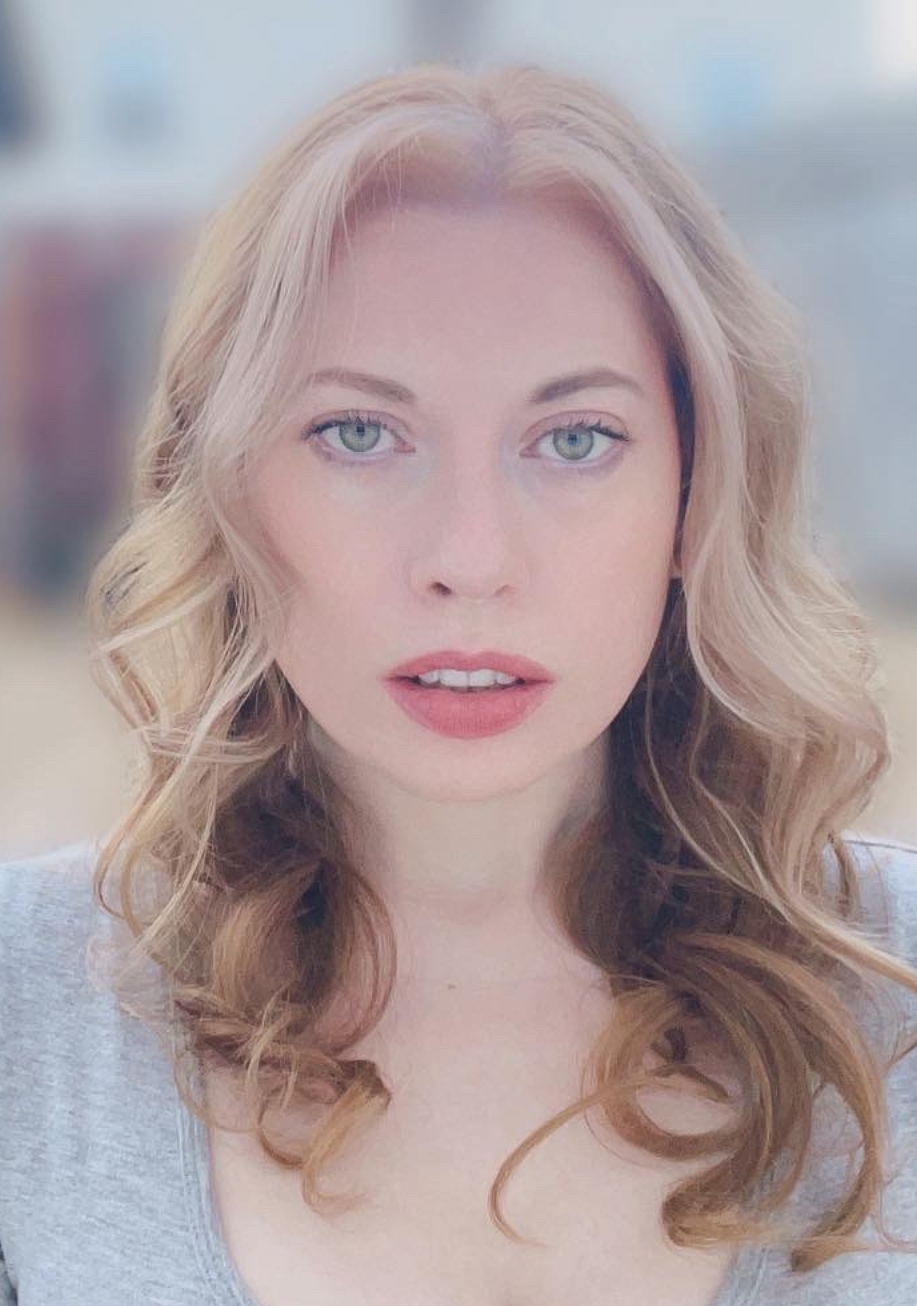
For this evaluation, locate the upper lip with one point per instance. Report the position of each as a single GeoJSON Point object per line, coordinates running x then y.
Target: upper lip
{"type": "Point", "coordinates": [453, 659]}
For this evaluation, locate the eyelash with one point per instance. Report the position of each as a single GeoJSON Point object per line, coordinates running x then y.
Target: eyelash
{"type": "Point", "coordinates": [358, 415]}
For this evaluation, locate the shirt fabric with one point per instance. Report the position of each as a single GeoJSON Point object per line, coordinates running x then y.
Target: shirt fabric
{"type": "Point", "coordinates": [105, 1188]}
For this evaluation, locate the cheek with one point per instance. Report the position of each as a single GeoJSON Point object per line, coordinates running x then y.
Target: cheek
{"type": "Point", "coordinates": [334, 608]}
{"type": "Point", "coordinates": [328, 548]}
{"type": "Point", "coordinates": [327, 647]}
{"type": "Point", "coordinates": [615, 648]}
{"type": "Point", "coordinates": [615, 568]}
{"type": "Point", "coordinates": [617, 610]}
{"type": "Point", "coordinates": [611, 590]}
{"type": "Point", "coordinates": [332, 559]}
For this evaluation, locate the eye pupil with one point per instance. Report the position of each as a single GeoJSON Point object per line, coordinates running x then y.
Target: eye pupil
{"type": "Point", "coordinates": [573, 436]}
{"type": "Point", "coordinates": [360, 427]}
{"type": "Point", "coordinates": [355, 432]}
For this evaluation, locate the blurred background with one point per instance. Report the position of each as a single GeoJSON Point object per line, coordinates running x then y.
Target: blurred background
{"type": "Point", "coordinates": [123, 126]}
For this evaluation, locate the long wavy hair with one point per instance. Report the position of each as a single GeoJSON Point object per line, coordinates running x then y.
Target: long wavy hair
{"type": "Point", "coordinates": [713, 887]}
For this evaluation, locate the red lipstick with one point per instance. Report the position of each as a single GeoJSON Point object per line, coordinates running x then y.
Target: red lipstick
{"type": "Point", "coordinates": [467, 714]}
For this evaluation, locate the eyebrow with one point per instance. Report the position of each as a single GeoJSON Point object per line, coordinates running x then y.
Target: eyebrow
{"type": "Point", "coordinates": [588, 379]}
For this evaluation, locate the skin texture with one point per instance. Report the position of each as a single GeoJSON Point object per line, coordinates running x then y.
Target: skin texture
{"type": "Point", "coordinates": [448, 536]}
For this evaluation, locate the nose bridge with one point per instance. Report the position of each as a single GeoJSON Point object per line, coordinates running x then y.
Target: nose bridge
{"type": "Point", "coordinates": [472, 542]}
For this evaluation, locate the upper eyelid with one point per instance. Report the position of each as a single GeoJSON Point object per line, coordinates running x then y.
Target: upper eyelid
{"type": "Point", "coordinates": [543, 427]}
{"type": "Point", "coordinates": [354, 415]}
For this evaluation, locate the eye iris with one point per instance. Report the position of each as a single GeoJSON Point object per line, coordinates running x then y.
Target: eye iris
{"type": "Point", "coordinates": [361, 428]}
{"type": "Point", "coordinates": [570, 437]}
{"type": "Point", "coordinates": [576, 439]}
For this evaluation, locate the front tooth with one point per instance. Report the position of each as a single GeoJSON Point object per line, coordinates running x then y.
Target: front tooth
{"type": "Point", "coordinates": [465, 679]}
{"type": "Point", "coordinates": [482, 677]}
{"type": "Point", "coordinates": [462, 679]}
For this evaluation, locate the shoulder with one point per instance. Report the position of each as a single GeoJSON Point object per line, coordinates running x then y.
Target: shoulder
{"type": "Point", "coordinates": [47, 909]}
{"type": "Point", "coordinates": [47, 884]}
{"type": "Point", "coordinates": [68, 859]}
{"type": "Point", "coordinates": [60, 945]}
{"type": "Point", "coordinates": [887, 877]}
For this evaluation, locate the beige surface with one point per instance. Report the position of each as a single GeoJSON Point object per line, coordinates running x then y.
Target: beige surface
{"type": "Point", "coordinates": [65, 754]}
{"type": "Point", "coordinates": [894, 810]}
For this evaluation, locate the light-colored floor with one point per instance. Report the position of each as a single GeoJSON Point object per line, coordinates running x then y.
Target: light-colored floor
{"type": "Point", "coordinates": [66, 756]}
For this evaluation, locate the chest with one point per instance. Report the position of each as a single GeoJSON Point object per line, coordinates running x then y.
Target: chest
{"type": "Point", "coordinates": [465, 1093]}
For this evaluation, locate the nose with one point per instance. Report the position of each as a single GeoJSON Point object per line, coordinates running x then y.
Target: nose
{"type": "Point", "coordinates": [471, 544]}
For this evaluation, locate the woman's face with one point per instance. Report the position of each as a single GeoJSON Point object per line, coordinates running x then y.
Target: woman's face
{"type": "Point", "coordinates": [467, 512]}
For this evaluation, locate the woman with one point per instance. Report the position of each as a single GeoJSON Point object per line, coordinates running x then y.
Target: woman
{"type": "Point", "coordinates": [501, 727]}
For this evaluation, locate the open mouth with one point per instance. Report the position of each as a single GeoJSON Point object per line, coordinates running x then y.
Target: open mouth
{"type": "Point", "coordinates": [437, 706]}
{"type": "Point", "coordinates": [463, 689]}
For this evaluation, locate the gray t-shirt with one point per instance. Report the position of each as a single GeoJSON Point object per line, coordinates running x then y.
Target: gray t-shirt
{"type": "Point", "coordinates": [105, 1193]}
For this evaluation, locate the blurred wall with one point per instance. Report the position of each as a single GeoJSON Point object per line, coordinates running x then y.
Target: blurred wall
{"type": "Point", "coordinates": [121, 128]}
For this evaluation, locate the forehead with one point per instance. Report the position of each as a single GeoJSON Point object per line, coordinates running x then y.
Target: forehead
{"type": "Point", "coordinates": [527, 272]}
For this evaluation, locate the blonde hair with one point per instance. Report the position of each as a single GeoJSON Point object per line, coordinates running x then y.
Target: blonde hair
{"type": "Point", "coordinates": [752, 739]}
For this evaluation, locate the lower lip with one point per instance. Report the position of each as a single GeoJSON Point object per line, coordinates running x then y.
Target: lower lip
{"type": "Point", "coordinates": [468, 716]}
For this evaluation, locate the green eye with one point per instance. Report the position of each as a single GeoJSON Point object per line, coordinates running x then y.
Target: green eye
{"type": "Point", "coordinates": [358, 434]}
{"type": "Point", "coordinates": [572, 439]}
{"type": "Point", "coordinates": [358, 440]}
{"type": "Point", "coordinates": [578, 439]}
{"type": "Point", "coordinates": [361, 439]}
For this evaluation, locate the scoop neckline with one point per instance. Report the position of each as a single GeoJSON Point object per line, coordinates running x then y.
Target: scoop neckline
{"type": "Point", "coordinates": [219, 1270]}
{"type": "Point", "coordinates": [222, 1275]}
{"type": "Point", "coordinates": [740, 1287]}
